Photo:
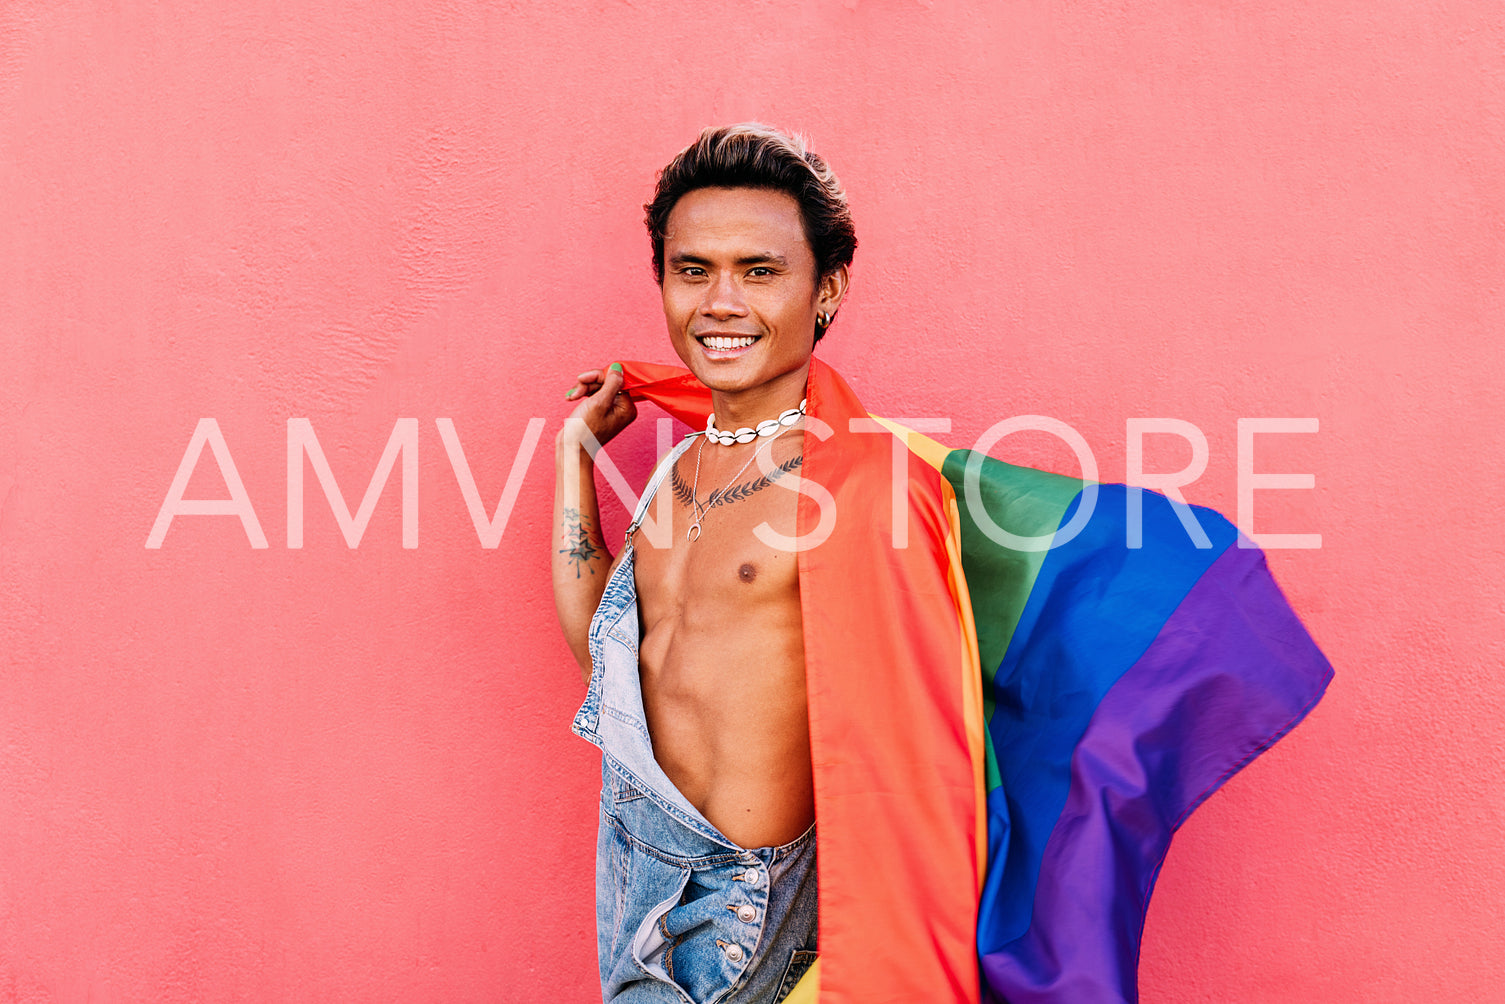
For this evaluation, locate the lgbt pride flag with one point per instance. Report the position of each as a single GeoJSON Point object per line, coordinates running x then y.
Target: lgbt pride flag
{"type": "Point", "coordinates": [1005, 735]}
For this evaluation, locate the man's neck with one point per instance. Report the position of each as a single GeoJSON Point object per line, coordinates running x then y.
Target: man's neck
{"type": "Point", "coordinates": [746, 408]}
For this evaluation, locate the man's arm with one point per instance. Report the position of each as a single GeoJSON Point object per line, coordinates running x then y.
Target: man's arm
{"type": "Point", "coordinates": [581, 561]}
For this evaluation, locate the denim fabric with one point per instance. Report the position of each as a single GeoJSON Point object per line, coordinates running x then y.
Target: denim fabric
{"type": "Point", "coordinates": [683, 915]}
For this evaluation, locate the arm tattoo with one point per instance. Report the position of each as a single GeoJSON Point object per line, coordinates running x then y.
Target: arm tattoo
{"type": "Point", "coordinates": [581, 542]}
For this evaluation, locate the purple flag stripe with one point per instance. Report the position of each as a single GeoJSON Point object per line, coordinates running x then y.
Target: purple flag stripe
{"type": "Point", "coordinates": [1231, 672]}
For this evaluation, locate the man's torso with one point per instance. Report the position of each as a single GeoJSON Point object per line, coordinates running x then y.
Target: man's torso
{"type": "Point", "coordinates": [721, 656]}
{"type": "Point", "coordinates": [686, 912]}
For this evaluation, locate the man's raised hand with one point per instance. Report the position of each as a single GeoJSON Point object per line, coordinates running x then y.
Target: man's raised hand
{"type": "Point", "coordinates": [605, 410]}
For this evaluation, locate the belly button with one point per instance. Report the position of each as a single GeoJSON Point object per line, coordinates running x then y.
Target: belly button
{"type": "Point", "coordinates": [747, 572]}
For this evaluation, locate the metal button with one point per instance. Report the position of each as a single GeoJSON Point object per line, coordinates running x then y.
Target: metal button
{"type": "Point", "coordinates": [751, 876]}
{"type": "Point", "coordinates": [747, 913]}
{"type": "Point", "coordinates": [734, 953]}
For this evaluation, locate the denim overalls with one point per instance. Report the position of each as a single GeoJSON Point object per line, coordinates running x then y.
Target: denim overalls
{"type": "Point", "coordinates": [683, 915]}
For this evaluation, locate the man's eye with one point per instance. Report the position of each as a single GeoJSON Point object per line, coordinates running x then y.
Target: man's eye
{"type": "Point", "coordinates": [694, 271]}
{"type": "Point", "coordinates": [760, 270]}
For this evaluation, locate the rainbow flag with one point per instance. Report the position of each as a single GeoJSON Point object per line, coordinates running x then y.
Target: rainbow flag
{"type": "Point", "coordinates": [1005, 737]}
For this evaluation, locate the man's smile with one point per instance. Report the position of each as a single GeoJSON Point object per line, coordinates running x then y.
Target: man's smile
{"type": "Point", "coordinates": [726, 345]}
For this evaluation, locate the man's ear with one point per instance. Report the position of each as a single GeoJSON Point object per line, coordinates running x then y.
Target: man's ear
{"type": "Point", "coordinates": [832, 289]}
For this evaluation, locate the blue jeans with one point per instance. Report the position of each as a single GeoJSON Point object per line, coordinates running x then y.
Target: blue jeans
{"type": "Point", "coordinates": [683, 915]}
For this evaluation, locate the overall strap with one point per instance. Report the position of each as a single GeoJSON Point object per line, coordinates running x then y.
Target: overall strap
{"type": "Point", "coordinates": [658, 478]}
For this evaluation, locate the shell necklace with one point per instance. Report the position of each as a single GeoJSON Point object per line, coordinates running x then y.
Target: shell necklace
{"type": "Point", "coordinates": [747, 435]}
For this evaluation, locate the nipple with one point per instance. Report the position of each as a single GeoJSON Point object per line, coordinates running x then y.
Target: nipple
{"type": "Point", "coordinates": [747, 572]}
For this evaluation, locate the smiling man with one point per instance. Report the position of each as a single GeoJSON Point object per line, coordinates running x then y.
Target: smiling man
{"type": "Point", "coordinates": [706, 881]}
{"type": "Point", "coordinates": [995, 713]}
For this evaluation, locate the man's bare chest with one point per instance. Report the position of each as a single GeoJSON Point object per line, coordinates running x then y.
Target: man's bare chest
{"type": "Point", "coordinates": [727, 543]}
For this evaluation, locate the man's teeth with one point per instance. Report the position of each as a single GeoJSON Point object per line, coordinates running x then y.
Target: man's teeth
{"type": "Point", "coordinates": [721, 344]}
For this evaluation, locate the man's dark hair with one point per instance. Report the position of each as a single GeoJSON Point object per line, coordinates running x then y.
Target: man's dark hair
{"type": "Point", "coordinates": [751, 155]}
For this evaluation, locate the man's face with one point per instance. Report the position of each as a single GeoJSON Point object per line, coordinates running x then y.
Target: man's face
{"type": "Point", "coordinates": [740, 289]}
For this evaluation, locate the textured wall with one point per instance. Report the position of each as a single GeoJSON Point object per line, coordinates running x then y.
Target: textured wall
{"type": "Point", "coordinates": [240, 774]}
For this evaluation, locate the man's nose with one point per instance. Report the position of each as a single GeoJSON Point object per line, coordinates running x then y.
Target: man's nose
{"type": "Point", "coordinates": [724, 298]}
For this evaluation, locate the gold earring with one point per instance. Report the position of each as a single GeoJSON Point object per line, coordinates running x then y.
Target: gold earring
{"type": "Point", "coordinates": [822, 320]}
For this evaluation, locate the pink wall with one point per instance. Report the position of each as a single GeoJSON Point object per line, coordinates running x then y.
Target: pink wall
{"type": "Point", "coordinates": [230, 774]}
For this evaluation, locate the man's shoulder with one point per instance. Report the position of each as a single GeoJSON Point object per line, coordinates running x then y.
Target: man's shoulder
{"type": "Point", "coordinates": [883, 449]}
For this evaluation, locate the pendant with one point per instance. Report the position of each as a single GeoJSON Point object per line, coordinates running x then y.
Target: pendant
{"type": "Point", "coordinates": [693, 533]}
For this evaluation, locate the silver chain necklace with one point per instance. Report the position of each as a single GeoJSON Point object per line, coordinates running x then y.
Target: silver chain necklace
{"type": "Point", "coordinates": [693, 533]}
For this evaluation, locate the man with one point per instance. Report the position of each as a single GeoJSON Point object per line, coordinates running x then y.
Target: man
{"type": "Point", "coordinates": [752, 240]}
{"type": "Point", "coordinates": [998, 711]}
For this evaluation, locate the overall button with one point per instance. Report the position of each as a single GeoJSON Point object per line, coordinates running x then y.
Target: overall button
{"type": "Point", "coordinates": [747, 913]}
{"type": "Point", "coordinates": [751, 876]}
{"type": "Point", "coordinates": [734, 953]}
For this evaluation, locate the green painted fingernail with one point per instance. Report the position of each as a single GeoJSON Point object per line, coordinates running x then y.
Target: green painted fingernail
{"type": "Point", "coordinates": [571, 395]}
{"type": "Point", "coordinates": [616, 367]}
